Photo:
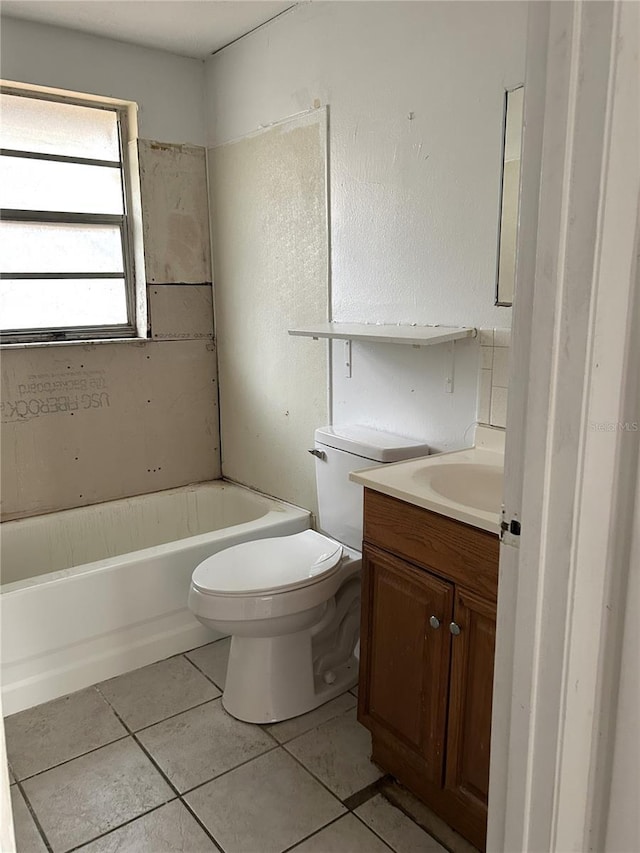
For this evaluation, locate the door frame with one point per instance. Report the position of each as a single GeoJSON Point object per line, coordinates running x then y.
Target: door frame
{"type": "Point", "coordinates": [570, 467]}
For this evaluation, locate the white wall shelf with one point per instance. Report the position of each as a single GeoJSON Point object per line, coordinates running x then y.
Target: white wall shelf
{"type": "Point", "coordinates": [417, 336]}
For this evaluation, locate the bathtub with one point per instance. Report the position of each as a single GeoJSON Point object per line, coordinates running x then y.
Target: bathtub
{"type": "Point", "coordinates": [93, 592]}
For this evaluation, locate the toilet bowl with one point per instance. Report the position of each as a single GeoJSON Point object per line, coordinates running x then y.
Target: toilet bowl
{"type": "Point", "coordinates": [292, 607]}
{"type": "Point", "coordinates": [292, 604]}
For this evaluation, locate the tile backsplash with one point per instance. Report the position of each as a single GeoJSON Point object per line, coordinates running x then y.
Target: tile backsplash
{"type": "Point", "coordinates": [493, 376]}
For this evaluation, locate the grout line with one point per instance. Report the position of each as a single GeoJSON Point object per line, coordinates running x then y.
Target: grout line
{"type": "Point", "coordinates": [388, 795]}
{"type": "Point", "coordinates": [121, 825]}
{"type": "Point", "coordinates": [170, 716]}
{"type": "Point", "coordinates": [371, 829]}
{"type": "Point", "coordinates": [74, 758]}
{"type": "Point", "coordinates": [164, 776]}
{"type": "Point", "coordinates": [230, 770]}
{"type": "Point", "coordinates": [315, 832]}
{"type": "Point", "coordinates": [202, 672]}
{"type": "Point", "coordinates": [34, 816]}
{"type": "Point", "coordinates": [201, 825]}
{"type": "Point", "coordinates": [173, 716]}
{"type": "Point", "coordinates": [313, 775]}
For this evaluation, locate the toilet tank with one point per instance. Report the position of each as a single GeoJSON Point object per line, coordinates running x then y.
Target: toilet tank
{"type": "Point", "coordinates": [340, 450]}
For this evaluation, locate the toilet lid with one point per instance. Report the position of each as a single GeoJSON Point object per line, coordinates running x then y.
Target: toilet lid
{"type": "Point", "coordinates": [269, 565]}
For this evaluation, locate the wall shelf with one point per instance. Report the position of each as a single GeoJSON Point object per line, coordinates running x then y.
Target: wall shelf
{"type": "Point", "coordinates": [417, 336]}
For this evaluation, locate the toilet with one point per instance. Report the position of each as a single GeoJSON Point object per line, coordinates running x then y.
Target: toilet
{"type": "Point", "coordinates": [292, 603]}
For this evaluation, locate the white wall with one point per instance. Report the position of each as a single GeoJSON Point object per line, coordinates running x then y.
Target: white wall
{"type": "Point", "coordinates": [415, 92]}
{"type": "Point", "coordinates": [269, 227]}
{"type": "Point", "coordinates": [169, 89]}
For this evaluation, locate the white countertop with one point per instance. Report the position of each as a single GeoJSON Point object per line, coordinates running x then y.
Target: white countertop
{"type": "Point", "coordinates": [409, 481]}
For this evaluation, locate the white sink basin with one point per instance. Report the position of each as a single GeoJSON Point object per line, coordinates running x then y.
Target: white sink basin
{"type": "Point", "coordinates": [467, 484]}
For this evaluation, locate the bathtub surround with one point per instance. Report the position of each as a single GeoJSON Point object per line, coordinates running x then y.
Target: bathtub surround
{"type": "Point", "coordinates": [185, 776]}
{"type": "Point", "coordinates": [116, 599]}
{"type": "Point", "coordinates": [270, 239]}
{"type": "Point", "coordinates": [493, 378]}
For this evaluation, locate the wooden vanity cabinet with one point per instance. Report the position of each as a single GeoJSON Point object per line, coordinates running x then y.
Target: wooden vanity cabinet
{"type": "Point", "coordinates": [425, 692]}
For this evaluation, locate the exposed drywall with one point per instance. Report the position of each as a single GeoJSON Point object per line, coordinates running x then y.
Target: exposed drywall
{"type": "Point", "coordinates": [83, 424]}
{"type": "Point", "coordinates": [416, 94]}
{"type": "Point", "coordinates": [270, 248]}
{"type": "Point", "coordinates": [88, 423]}
{"type": "Point", "coordinates": [180, 311]}
{"type": "Point", "coordinates": [173, 189]}
{"type": "Point", "coordinates": [167, 88]}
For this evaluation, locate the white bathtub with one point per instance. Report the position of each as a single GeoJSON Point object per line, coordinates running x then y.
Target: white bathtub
{"type": "Point", "coordinates": [93, 592]}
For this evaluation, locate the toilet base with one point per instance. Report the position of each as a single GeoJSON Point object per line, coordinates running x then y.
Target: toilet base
{"type": "Point", "coordinates": [259, 687]}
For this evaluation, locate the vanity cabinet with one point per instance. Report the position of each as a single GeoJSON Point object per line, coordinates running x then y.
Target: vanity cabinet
{"type": "Point", "coordinates": [427, 650]}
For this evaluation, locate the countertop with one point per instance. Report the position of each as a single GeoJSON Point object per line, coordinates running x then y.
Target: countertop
{"type": "Point", "coordinates": [409, 481]}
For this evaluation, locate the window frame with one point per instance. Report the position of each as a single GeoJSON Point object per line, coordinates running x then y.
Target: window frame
{"type": "Point", "coordinates": [69, 334]}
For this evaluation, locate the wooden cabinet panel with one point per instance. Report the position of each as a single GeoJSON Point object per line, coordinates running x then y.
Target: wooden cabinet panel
{"type": "Point", "coordinates": [404, 663]}
{"type": "Point", "coordinates": [416, 683]}
{"type": "Point", "coordinates": [461, 553]}
{"type": "Point", "coordinates": [469, 727]}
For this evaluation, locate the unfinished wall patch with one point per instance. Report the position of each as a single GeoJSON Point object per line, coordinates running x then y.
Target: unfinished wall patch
{"type": "Point", "coordinates": [181, 311]}
{"type": "Point", "coordinates": [83, 425]}
{"type": "Point", "coordinates": [173, 185]}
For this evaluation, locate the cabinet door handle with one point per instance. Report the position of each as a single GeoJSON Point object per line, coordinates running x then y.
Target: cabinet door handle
{"type": "Point", "coordinates": [434, 622]}
{"type": "Point", "coordinates": [454, 628]}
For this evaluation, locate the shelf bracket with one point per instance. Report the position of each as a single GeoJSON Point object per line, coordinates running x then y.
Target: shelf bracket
{"type": "Point", "coordinates": [450, 374]}
{"type": "Point", "coordinates": [347, 359]}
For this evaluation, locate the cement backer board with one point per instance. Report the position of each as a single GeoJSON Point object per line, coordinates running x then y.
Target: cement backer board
{"type": "Point", "coordinates": [85, 424]}
{"type": "Point", "coordinates": [175, 218]}
{"type": "Point", "coordinates": [181, 311]}
{"type": "Point", "coordinates": [270, 239]}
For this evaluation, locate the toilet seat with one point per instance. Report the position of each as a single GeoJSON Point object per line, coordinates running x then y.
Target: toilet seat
{"type": "Point", "coordinates": [269, 566]}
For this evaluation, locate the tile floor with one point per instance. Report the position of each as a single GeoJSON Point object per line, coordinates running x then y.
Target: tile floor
{"type": "Point", "coordinates": [150, 762]}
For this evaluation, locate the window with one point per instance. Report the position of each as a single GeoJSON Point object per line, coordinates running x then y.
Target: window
{"type": "Point", "coordinates": [66, 260]}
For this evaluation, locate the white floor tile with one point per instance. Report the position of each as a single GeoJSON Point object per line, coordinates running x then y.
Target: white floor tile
{"type": "Point", "coordinates": [398, 830]}
{"type": "Point", "coordinates": [347, 835]}
{"type": "Point", "coordinates": [338, 753]}
{"type": "Point", "coordinates": [265, 806]}
{"type": "Point", "coordinates": [202, 743]}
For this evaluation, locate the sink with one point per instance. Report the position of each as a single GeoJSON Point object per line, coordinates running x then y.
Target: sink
{"type": "Point", "coordinates": [467, 484]}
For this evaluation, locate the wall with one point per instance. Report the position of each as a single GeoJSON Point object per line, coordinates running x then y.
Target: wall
{"type": "Point", "coordinates": [168, 89]}
{"type": "Point", "coordinates": [92, 422]}
{"type": "Point", "coordinates": [269, 215]}
{"type": "Point", "coordinates": [415, 92]}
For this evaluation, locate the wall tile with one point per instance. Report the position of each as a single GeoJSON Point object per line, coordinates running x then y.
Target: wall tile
{"type": "Point", "coordinates": [500, 377]}
{"type": "Point", "coordinates": [502, 337]}
{"type": "Point", "coordinates": [498, 407]}
{"type": "Point", "coordinates": [484, 396]}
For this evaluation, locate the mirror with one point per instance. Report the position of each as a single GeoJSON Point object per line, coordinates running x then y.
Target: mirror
{"type": "Point", "coordinates": [510, 196]}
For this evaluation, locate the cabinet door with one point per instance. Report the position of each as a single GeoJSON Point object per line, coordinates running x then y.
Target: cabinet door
{"type": "Point", "coordinates": [469, 729]}
{"type": "Point", "coordinates": [404, 665]}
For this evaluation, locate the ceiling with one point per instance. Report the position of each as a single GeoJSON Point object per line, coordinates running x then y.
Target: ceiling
{"type": "Point", "coordinates": [193, 28]}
